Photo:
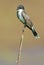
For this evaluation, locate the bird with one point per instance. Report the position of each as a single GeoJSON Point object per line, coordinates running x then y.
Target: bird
{"type": "Point", "coordinates": [25, 19]}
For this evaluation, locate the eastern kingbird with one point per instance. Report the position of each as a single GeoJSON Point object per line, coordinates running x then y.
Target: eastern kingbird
{"type": "Point", "coordinates": [25, 19]}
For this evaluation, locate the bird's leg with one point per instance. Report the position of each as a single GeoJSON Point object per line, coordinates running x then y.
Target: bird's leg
{"type": "Point", "coordinates": [23, 28]}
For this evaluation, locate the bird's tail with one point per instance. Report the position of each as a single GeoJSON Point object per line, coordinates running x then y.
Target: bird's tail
{"type": "Point", "coordinates": [35, 33]}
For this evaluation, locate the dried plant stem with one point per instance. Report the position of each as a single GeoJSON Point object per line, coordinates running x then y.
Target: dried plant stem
{"type": "Point", "coordinates": [20, 48]}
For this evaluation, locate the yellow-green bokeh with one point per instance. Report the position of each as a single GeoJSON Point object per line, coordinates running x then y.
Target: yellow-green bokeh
{"type": "Point", "coordinates": [11, 27]}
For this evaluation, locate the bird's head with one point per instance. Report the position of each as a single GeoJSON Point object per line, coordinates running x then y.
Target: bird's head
{"type": "Point", "coordinates": [20, 8]}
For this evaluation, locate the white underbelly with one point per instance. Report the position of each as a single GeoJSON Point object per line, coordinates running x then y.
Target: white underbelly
{"type": "Point", "coordinates": [21, 17]}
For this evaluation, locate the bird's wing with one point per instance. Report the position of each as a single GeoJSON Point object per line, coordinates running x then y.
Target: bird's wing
{"type": "Point", "coordinates": [27, 18]}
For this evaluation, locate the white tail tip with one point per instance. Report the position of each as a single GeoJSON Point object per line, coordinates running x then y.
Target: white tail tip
{"type": "Point", "coordinates": [37, 37]}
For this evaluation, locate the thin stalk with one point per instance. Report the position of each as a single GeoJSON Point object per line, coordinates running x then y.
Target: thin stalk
{"type": "Point", "coordinates": [20, 47]}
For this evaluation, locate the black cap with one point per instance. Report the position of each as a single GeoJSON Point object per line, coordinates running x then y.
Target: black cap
{"type": "Point", "coordinates": [20, 7]}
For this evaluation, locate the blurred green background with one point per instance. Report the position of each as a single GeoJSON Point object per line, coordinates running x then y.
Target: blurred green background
{"type": "Point", "coordinates": [11, 27]}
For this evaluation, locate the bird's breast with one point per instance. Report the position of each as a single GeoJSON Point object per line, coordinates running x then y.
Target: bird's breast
{"type": "Point", "coordinates": [21, 17]}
